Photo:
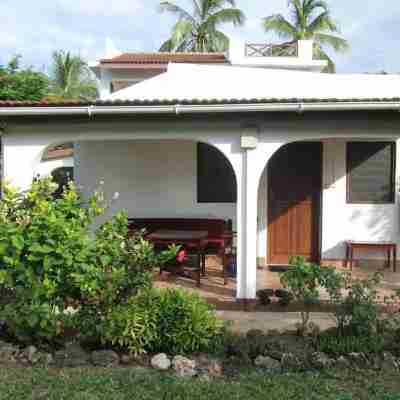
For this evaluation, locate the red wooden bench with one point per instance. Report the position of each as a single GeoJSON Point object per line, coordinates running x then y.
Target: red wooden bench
{"type": "Point", "coordinates": [220, 235]}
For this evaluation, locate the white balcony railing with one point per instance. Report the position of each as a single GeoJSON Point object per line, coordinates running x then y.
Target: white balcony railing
{"type": "Point", "coordinates": [271, 50]}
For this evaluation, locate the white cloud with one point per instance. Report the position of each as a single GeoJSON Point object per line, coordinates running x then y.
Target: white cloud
{"type": "Point", "coordinates": [101, 7]}
{"type": "Point", "coordinates": [36, 29]}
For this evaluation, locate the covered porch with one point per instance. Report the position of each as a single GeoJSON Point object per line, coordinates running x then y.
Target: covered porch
{"type": "Point", "coordinates": [153, 165]}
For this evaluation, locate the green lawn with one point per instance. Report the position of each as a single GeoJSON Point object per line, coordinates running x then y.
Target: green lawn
{"type": "Point", "coordinates": [90, 384]}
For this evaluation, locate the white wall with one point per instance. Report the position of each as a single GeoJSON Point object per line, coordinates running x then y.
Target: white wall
{"type": "Point", "coordinates": [340, 221]}
{"type": "Point", "coordinates": [361, 222]}
{"type": "Point", "coordinates": [153, 178]}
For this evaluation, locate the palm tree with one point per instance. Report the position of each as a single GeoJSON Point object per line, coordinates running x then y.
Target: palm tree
{"type": "Point", "coordinates": [71, 78]}
{"type": "Point", "coordinates": [198, 31]}
{"type": "Point", "coordinates": [310, 19]}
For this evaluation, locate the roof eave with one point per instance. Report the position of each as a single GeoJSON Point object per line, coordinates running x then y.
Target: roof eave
{"type": "Point", "coordinates": [176, 108]}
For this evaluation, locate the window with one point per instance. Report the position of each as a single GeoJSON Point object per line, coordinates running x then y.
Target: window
{"type": "Point", "coordinates": [371, 172]}
{"type": "Point", "coordinates": [216, 181]}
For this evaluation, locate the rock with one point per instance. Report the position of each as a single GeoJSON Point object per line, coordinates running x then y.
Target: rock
{"type": "Point", "coordinates": [29, 353]}
{"type": "Point", "coordinates": [215, 369]}
{"type": "Point", "coordinates": [276, 346]}
{"type": "Point", "coordinates": [8, 352]}
{"type": "Point", "coordinates": [358, 360]}
{"type": "Point", "coordinates": [291, 362]}
{"type": "Point", "coordinates": [205, 378]}
{"type": "Point", "coordinates": [267, 363]}
{"type": "Point", "coordinates": [47, 359]}
{"type": "Point", "coordinates": [184, 366]}
{"type": "Point", "coordinates": [320, 360]}
{"type": "Point", "coordinates": [161, 362]}
{"type": "Point", "coordinates": [72, 356]}
{"type": "Point", "coordinates": [105, 358]}
{"type": "Point", "coordinates": [126, 359]}
{"type": "Point", "coordinates": [388, 362]}
{"type": "Point", "coordinates": [342, 363]}
{"type": "Point", "coordinates": [209, 366]}
{"type": "Point", "coordinates": [254, 333]}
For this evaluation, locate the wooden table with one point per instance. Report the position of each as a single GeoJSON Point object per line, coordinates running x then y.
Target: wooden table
{"type": "Point", "coordinates": [388, 247]}
{"type": "Point", "coordinates": [190, 239]}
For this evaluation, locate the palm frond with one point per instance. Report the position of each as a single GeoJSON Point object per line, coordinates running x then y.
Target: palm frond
{"type": "Point", "coordinates": [280, 26]}
{"type": "Point", "coordinates": [166, 47]}
{"type": "Point", "coordinates": [323, 22]}
{"type": "Point", "coordinates": [337, 43]}
{"type": "Point", "coordinates": [320, 54]}
{"type": "Point", "coordinates": [219, 42]}
{"type": "Point", "coordinates": [183, 30]}
{"type": "Point", "coordinates": [71, 77]}
{"type": "Point", "coordinates": [228, 15]}
{"type": "Point", "coordinates": [310, 6]}
{"type": "Point", "coordinates": [216, 5]}
{"type": "Point", "coordinates": [198, 32]}
{"type": "Point", "coordinates": [167, 6]}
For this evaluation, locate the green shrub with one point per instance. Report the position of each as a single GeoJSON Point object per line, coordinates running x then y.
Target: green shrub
{"type": "Point", "coordinates": [168, 320]}
{"type": "Point", "coordinates": [303, 280]}
{"type": "Point", "coordinates": [356, 309]}
{"type": "Point", "coordinates": [51, 260]}
{"type": "Point", "coordinates": [337, 345]}
{"type": "Point", "coordinates": [133, 325]}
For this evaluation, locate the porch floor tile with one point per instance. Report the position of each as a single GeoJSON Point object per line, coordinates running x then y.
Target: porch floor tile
{"type": "Point", "coordinates": [224, 297]}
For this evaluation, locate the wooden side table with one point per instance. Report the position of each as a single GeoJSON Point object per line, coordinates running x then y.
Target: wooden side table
{"type": "Point", "coordinates": [388, 247]}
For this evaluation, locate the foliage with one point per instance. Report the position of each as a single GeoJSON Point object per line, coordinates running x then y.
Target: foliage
{"type": "Point", "coordinates": [356, 311]}
{"type": "Point", "coordinates": [198, 31]}
{"type": "Point", "coordinates": [22, 84]}
{"type": "Point", "coordinates": [335, 345]}
{"type": "Point", "coordinates": [311, 19]}
{"type": "Point", "coordinates": [170, 320]}
{"type": "Point", "coordinates": [71, 78]}
{"type": "Point", "coordinates": [52, 261]}
{"type": "Point", "coordinates": [132, 325]}
{"type": "Point", "coordinates": [303, 280]}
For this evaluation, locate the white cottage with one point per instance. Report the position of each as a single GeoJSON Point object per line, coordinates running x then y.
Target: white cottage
{"type": "Point", "coordinates": [300, 161]}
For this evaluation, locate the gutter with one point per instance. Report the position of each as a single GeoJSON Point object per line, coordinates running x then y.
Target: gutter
{"type": "Point", "coordinates": [200, 108]}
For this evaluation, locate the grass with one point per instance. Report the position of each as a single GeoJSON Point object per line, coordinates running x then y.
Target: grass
{"type": "Point", "coordinates": [91, 384]}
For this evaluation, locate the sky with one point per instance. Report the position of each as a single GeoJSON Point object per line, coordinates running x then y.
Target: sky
{"type": "Point", "coordinates": [35, 28]}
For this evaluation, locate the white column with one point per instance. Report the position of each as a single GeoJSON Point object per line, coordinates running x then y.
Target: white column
{"type": "Point", "coordinates": [247, 223]}
{"type": "Point", "coordinates": [250, 226]}
{"type": "Point", "coordinates": [21, 156]}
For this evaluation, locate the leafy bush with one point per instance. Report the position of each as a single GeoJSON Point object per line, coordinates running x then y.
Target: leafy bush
{"type": "Point", "coordinates": [18, 84]}
{"type": "Point", "coordinates": [356, 310]}
{"type": "Point", "coordinates": [303, 280]}
{"type": "Point", "coordinates": [337, 345]}
{"type": "Point", "coordinates": [52, 261]}
{"type": "Point", "coordinates": [168, 320]}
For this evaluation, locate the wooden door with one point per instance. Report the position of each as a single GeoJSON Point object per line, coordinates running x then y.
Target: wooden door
{"type": "Point", "coordinates": [294, 199]}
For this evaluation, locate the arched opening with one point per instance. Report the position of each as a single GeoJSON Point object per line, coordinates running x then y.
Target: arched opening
{"type": "Point", "coordinates": [55, 157]}
{"type": "Point", "coordinates": [290, 198]}
{"type": "Point", "coordinates": [174, 179]}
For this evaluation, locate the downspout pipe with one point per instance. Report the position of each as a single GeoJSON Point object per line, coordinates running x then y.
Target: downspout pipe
{"type": "Point", "coordinates": [179, 109]}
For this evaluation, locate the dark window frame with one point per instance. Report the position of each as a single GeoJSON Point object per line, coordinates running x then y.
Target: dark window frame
{"type": "Point", "coordinates": [219, 197]}
{"type": "Point", "coordinates": [349, 199]}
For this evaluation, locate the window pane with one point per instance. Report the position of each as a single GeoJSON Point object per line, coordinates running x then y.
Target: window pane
{"type": "Point", "coordinates": [370, 172]}
{"type": "Point", "coordinates": [216, 182]}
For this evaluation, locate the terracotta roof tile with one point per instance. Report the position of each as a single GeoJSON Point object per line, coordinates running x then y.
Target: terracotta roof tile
{"type": "Point", "coordinates": [165, 58]}
{"type": "Point", "coordinates": [266, 100]}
